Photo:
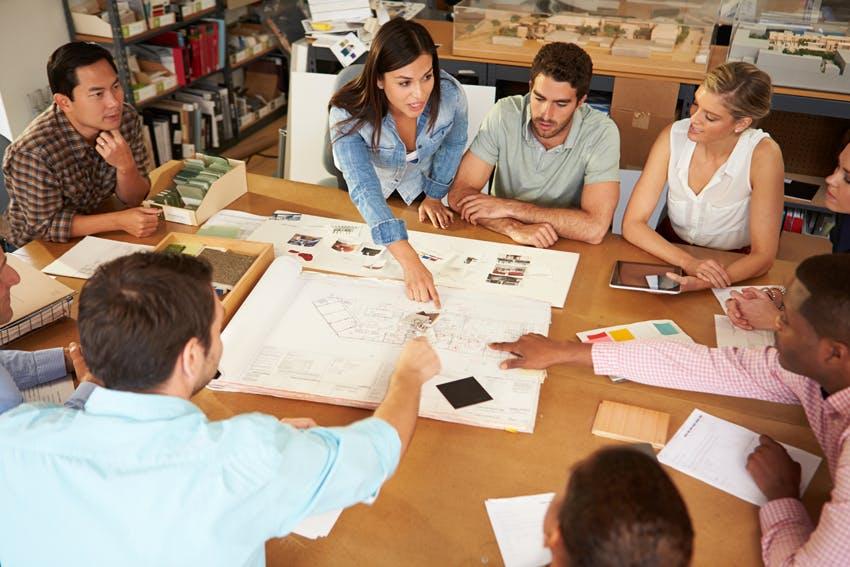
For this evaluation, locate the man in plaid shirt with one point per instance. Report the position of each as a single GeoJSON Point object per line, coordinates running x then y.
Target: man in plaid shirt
{"type": "Point", "coordinates": [86, 146]}
{"type": "Point", "coordinates": [810, 365]}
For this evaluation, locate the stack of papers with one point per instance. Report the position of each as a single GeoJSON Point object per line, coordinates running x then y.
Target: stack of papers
{"type": "Point", "coordinates": [715, 451]}
{"type": "Point", "coordinates": [728, 335]}
{"type": "Point", "coordinates": [518, 525]}
{"type": "Point", "coordinates": [37, 300]}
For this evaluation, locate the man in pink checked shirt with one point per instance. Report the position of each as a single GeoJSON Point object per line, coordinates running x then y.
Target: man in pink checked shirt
{"type": "Point", "coordinates": [810, 365]}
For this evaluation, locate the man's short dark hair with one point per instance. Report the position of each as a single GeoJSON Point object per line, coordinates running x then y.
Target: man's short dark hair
{"type": "Point", "coordinates": [565, 63]}
{"type": "Point", "coordinates": [827, 309]}
{"type": "Point", "coordinates": [62, 65]}
{"type": "Point", "coordinates": [621, 508]}
{"type": "Point", "coordinates": [138, 312]}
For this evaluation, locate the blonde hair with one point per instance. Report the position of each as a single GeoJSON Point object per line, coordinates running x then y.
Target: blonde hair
{"type": "Point", "coordinates": [746, 90]}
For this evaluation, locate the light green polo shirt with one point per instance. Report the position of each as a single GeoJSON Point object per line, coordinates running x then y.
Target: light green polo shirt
{"type": "Point", "coordinates": [526, 171]}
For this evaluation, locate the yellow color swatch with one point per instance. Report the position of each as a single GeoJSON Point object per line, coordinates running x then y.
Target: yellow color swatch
{"type": "Point", "coordinates": [621, 335]}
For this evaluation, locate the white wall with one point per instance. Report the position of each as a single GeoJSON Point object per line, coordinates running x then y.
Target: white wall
{"type": "Point", "coordinates": [30, 30]}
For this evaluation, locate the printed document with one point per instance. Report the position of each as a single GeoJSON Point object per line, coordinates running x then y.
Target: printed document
{"type": "Point", "coordinates": [88, 254]}
{"type": "Point", "coordinates": [344, 247]}
{"type": "Point", "coordinates": [728, 335]}
{"type": "Point", "coordinates": [518, 525]}
{"type": "Point", "coordinates": [336, 339]}
{"type": "Point", "coordinates": [715, 451]}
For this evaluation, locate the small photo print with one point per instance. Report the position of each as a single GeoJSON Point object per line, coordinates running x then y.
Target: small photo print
{"type": "Point", "coordinates": [304, 240]}
{"type": "Point", "coordinates": [366, 251]}
{"type": "Point", "coordinates": [343, 246]}
{"type": "Point", "coordinates": [429, 257]}
{"type": "Point", "coordinates": [515, 271]}
{"type": "Point", "coordinates": [469, 260]}
{"type": "Point", "coordinates": [285, 216]}
{"type": "Point", "coordinates": [503, 280]}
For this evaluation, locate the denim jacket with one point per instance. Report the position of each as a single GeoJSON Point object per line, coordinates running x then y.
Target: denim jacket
{"type": "Point", "coordinates": [373, 176]}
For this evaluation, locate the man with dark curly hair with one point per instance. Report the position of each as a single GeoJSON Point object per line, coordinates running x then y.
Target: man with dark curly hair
{"type": "Point", "coordinates": [556, 159]}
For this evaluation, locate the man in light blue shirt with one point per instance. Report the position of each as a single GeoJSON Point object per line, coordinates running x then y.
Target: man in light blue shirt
{"type": "Point", "coordinates": [21, 370]}
{"type": "Point", "coordinates": [141, 470]}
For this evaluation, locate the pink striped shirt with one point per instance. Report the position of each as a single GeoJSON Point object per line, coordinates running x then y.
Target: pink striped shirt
{"type": "Point", "coordinates": [788, 535]}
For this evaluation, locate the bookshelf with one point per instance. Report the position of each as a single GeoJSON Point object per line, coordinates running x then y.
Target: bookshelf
{"type": "Point", "coordinates": [120, 40]}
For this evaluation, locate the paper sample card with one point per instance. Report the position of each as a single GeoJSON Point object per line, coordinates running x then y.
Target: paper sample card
{"type": "Point", "coordinates": [348, 49]}
{"type": "Point", "coordinates": [464, 392]}
{"type": "Point", "coordinates": [715, 451]}
{"type": "Point", "coordinates": [518, 525]}
{"type": "Point", "coordinates": [624, 422]}
{"type": "Point", "coordinates": [304, 240]}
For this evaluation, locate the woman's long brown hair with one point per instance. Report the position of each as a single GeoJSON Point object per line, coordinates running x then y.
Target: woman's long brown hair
{"type": "Point", "coordinates": [398, 43]}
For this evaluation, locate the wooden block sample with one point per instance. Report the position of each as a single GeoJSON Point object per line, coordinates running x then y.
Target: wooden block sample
{"type": "Point", "coordinates": [631, 423]}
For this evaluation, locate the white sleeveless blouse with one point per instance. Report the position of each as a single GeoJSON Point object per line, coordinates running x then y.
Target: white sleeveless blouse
{"type": "Point", "coordinates": [719, 217]}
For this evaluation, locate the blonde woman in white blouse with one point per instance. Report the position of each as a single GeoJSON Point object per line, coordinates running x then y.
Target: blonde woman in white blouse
{"type": "Point", "coordinates": [725, 179]}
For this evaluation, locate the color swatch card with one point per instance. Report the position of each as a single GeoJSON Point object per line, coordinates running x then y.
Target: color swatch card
{"type": "Point", "coordinates": [348, 49]}
{"type": "Point", "coordinates": [655, 330]}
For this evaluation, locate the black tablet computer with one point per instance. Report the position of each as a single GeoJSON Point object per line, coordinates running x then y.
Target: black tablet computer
{"type": "Point", "coordinates": [640, 276]}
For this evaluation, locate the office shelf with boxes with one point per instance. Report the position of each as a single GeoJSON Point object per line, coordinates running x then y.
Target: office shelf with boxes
{"type": "Point", "coordinates": [203, 76]}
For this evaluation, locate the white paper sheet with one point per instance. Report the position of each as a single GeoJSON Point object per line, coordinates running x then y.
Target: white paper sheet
{"type": "Point", "coordinates": [728, 335]}
{"type": "Point", "coordinates": [34, 291]}
{"type": "Point", "coordinates": [55, 392]}
{"type": "Point", "coordinates": [315, 527]}
{"type": "Point", "coordinates": [335, 339]}
{"type": "Point", "coordinates": [715, 451]}
{"type": "Point", "coordinates": [518, 525]}
{"type": "Point", "coordinates": [83, 259]}
{"type": "Point", "coordinates": [240, 222]}
{"type": "Point", "coordinates": [343, 247]}
{"type": "Point", "coordinates": [724, 293]}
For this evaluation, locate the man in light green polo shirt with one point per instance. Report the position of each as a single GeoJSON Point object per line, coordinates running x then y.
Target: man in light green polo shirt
{"type": "Point", "coordinates": [557, 160]}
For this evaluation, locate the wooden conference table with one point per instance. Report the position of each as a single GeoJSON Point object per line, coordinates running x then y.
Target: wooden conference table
{"type": "Point", "coordinates": [432, 511]}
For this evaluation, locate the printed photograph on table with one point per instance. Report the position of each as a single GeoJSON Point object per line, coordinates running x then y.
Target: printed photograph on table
{"type": "Point", "coordinates": [304, 240]}
{"type": "Point", "coordinates": [343, 246]}
{"type": "Point", "coordinates": [503, 280]}
{"type": "Point", "coordinates": [366, 251]}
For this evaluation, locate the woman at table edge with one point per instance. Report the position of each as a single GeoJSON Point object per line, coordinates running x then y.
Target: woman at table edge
{"type": "Point", "coordinates": [725, 178]}
{"type": "Point", "coordinates": [400, 126]}
{"type": "Point", "coordinates": [755, 308]}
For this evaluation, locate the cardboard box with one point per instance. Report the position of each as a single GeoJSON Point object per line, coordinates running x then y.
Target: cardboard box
{"type": "Point", "coordinates": [641, 108]}
{"type": "Point", "coordinates": [263, 251]}
{"type": "Point", "coordinates": [195, 7]}
{"type": "Point", "coordinates": [224, 191]}
{"type": "Point", "coordinates": [94, 25]}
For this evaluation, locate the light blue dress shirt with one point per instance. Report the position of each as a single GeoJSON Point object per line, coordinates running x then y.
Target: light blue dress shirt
{"type": "Point", "coordinates": [144, 479]}
{"type": "Point", "coordinates": [20, 370]}
{"type": "Point", "coordinates": [372, 174]}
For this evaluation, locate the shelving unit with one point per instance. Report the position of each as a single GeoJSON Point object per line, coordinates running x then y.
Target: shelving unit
{"type": "Point", "coordinates": [118, 44]}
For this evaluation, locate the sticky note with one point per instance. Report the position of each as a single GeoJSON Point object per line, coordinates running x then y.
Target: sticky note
{"type": "Point", "coordinates": [666, 328]}
{"type": "Point", "coordinates": [603, 336]}
{"type": "Point", "coordinates": [621, 335]}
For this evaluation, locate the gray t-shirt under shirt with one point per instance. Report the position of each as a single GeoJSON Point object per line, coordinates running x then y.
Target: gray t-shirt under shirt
{"type": "Point", "coordinates": [526, 171]}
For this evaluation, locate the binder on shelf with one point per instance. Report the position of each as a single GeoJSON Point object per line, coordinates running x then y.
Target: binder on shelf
{"type": "Point", "coordinates": [38, 300]}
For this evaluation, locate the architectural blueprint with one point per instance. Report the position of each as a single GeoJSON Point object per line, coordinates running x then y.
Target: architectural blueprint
{"type": "Point", "coordinates": [335, 339]}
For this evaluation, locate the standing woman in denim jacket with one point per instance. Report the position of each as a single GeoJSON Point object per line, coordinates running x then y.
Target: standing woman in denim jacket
{"type": "Point", "coordinates": [400, 126]}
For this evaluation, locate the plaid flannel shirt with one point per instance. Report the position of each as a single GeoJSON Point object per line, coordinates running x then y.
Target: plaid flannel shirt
{"type": "Point", "coordinates": [52, 173]}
